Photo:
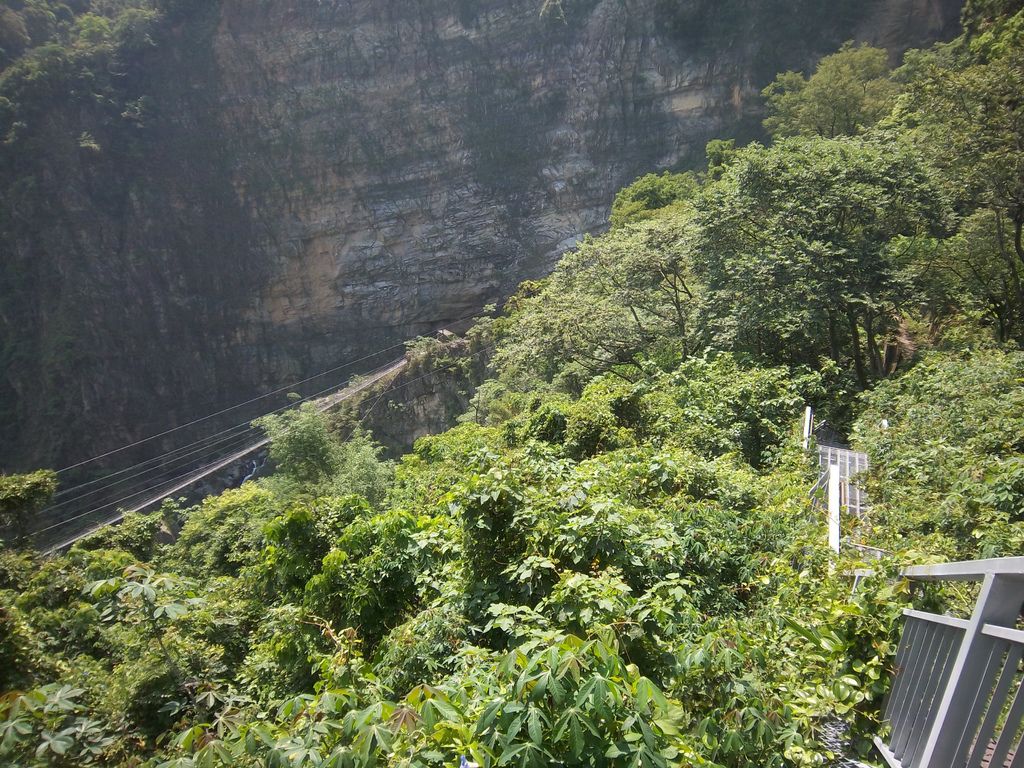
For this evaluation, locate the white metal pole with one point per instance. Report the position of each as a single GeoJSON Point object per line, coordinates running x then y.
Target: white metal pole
{"type": "Point", "coordinates": [834, 503]}
{"type": "Point", "coordinates": [808, 426]}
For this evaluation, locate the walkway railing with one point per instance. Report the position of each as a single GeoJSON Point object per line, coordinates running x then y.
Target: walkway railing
{"type": "Point", "coordinates": [847, 464]}
{"type": "Point", "coordinates": [836, 491]}
{"type": "Point", "coordinates": [957, 699]}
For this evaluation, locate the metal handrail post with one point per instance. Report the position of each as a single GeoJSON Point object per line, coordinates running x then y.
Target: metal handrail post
{"type": "Point", "coordinates": [998, 603]}
{"type": "Point", "coordinates": [808, 426]}
{"type": "Point", "coordinates": [834, 506]}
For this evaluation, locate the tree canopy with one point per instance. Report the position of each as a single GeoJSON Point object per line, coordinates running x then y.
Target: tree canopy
{"type": "Point", "coordinates": [849, 92]}
{"type": "Point", "coordinates": [22, 496]}
{"type": "Point", "coordinates": [795, 249]}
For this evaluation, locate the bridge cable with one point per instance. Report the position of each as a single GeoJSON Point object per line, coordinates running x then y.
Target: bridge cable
{"type": "Point", "coordinates": [158, 458]}
{"type": "Point", "coordinates": [251, 432]}
{"type": "Point", "coordinates": [222, 446]}
{"type": "Point", "coordinates": [256, 399]}
{"type": "Point", "coordinates": [199, 474]}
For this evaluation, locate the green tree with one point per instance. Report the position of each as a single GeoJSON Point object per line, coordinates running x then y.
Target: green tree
{"type": "Point", "coordinates": [630, 290]}
{"type": "Point", "coordinates": [21, 498]}
{"type": "Point", "coordinates": [311, 459]}
{"type": "Point", "coordinates": [362, 472]}
{"type": "Point", "coordinates": [14, 38]}
{"type": "Point", "coordinates": [969, 273]}
{"type": "Point", "coordinates": [720, 155]}
{"type": "Point", "coordinates": [965, 113]}
{"type": "Point", "coordinates": [301, 444]}
{"type": "Point", "coordinates": [650, 194]}
{"type": "Point", "coordinates": [148, 599]}
{"type": "Point", "coordinates": [795, 249]}
{"type": "Point", "coordinates": [93, 29]}
{"type": "Point", "coordinates": [848, 92]}
{"type": "Point", "coordinates": [980, 14]}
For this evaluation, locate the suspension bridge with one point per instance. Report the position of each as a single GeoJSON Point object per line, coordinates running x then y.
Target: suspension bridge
{"type": "Point", "coordinates": [77, 527]}
{"type": "Point", "coordinates": [89, 500]}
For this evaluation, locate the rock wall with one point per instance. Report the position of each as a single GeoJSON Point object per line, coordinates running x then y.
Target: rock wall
{"type": "Point", "coordinates": [903, 25]}
{"type": "Point", "coordinates": [319, 179]}
{"type": "Point", "coordinates": [426, 398]}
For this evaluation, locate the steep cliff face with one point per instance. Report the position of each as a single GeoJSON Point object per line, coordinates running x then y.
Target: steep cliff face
{"type": "Point", "coordinates": [902, 25]}
{"type": "Point", "coordinates": [311, 181]}
{"type": "Point", "coordinates": [126, 260]}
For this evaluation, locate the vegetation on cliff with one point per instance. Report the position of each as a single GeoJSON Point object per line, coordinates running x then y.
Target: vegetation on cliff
{"type": "Point", "coordinates": [613, 561]}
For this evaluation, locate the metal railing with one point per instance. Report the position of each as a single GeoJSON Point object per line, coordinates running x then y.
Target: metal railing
{"type": "Point", "coordinates": [957, 699]}
{"type": "Point", "coordinates": [848, 465]}
{"type": "Point", "coordinates": [836, 490]}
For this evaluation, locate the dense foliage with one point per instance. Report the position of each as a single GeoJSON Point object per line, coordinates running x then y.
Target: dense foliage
{"type": "Point", "coordinates": [950, 458]}
{"type": "Point", "coordinates": [613, 561]}
{"type": "Point", "coordinates": [590, 582]}
{"type": "Point", "coordinates": [849, 92]}
{"type": "Point", "coordinates": [21, 497]}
